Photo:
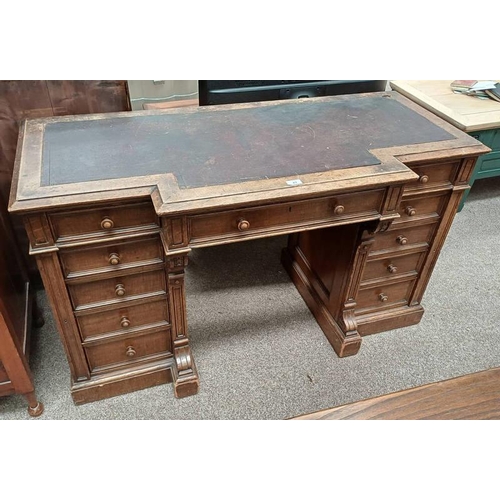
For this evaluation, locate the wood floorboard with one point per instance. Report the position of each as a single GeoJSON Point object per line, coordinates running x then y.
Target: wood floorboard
{"type": "Point", "coordinates": [470, 397]}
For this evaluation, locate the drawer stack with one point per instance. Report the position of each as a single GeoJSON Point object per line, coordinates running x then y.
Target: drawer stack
{"type": "Point", "coordinates": [398, 257]}
{"type": "Point", "coordinates": [112, 261]}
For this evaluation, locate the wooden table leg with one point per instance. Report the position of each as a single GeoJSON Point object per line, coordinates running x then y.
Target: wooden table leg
{"type": "Point", "coordinates": [35, 408]}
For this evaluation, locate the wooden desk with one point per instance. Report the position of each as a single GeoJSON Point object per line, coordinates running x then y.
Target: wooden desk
{"type": "Point", "coordinates": [366, 185]}
{"type": "Point", "coordinates": [479, 118]}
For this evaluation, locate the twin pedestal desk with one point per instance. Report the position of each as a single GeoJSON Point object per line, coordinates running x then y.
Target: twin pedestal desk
{"type": "Point", "coordinates": [366, 186]}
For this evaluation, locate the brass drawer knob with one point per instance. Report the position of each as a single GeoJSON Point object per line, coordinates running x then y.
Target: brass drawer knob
{"type": "Point", "coordinates": [423, 179]}
{"type": "Point", "coordinates": [402, 240]}
{"type": "Point", "coordinates": [383, 297]}
{"type": "Point", "coordinates": [410, 211]}
{"type": "Point", "coordinates": [243, 225]}
{"type": "Point", "coordinates": [130, 352]}
{"type": "Point", "coordinates": [107, 223]}
{"type": "Point", "coordinates": [339, 210]}
{"type": "Point", "coordinates": [120, 290]}
{"type": "Point", "coordinates": [392, 268]}
{"type": "Point", "coordinates": [125, 322]}
{"type": "Point", "coordinates": [114, 259]}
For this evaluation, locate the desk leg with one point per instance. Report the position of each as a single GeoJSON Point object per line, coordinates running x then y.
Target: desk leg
{"type": "Point", "coordinates": [184, 373]}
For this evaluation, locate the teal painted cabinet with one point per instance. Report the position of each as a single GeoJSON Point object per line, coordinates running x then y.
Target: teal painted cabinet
{"type": "Point", "coordinates": [487, 165]}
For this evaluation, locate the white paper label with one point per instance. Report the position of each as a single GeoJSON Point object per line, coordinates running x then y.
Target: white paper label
{"type": "Point", "coordinates": [294, 182]}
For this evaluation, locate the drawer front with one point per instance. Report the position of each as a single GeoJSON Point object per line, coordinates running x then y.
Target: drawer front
{"type": "Point", "coordinates": [112, 256]}
{"type": "Point", "coordinates": [434, 175]}
{"type": "Point", "coordinates": [121, 287]}
{"type": "Point", "coordinates": [398, 239]}
{"type": "Point", "coordinates": [127, 350]}
{"type": "Point", "coordinates": [388, 267]}
{"type": "Point", "coordinates": [123, 318]}
{"type": "Point", "coordinates": [285, 215]}
{"type": "Point", "coordinates": [414, 208]}
{"type": "Point", "coordinates": [489, 163]}
{"type": "Point", "coordinates": [385, 295]}
{"type": "Point", "coordinates": [104, 221]}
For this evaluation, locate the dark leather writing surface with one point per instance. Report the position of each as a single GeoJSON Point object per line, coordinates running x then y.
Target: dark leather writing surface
{"type": "Point", "coordinates": [233, 145]}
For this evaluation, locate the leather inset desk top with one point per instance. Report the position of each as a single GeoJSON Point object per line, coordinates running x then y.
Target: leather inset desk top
{"type": "Point", "coordinates": [233, 145]}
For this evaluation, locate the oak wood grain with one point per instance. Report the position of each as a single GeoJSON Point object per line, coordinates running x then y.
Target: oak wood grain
{"type": "Point", "coordinates": [471, 397]}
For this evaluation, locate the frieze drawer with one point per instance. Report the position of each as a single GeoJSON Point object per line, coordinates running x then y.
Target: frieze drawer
{"type": "Point", "coordinates": [103, 222]}
{"type": "Point", "coordinates": [285, 216]}
{"type": "Point", "coordinates": [434, 176]}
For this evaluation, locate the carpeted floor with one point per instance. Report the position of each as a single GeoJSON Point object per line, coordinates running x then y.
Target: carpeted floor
{"type": "Point", "coordinates": [261, 355]}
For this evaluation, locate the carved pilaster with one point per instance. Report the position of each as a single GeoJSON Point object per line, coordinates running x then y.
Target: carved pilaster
{"type": "Point", "coordinates": [39, 234]}
{"type": "Point", "coordinates": [175, 241]}
{"type": "Point", "coordinates": [185, 375]}
{"type": "Point", "coordinates": [348, 319]}
{"type": "Point", "coordinates": [465, 171]}
{"type": "Point", "coordinates": [175, 233]}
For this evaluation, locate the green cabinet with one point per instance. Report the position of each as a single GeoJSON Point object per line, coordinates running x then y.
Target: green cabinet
{"type": "Point", "coordinates": [487, 165]}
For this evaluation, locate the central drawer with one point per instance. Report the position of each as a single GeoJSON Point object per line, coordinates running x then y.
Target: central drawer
{"type": "Point", "coordinates": [123, 319]}
{"type": "Point", "coordinates": [112, 256]}
{"type": "Point", "coordinates": [285, 216]}
{"type": "Point", "coordinates": [127, 350]}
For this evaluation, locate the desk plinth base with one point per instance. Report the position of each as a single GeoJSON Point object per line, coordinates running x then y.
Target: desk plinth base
{"type": "Point", "coordinates": [116, 384]}
{"type": "Point", "coordinates": [392, 319]}
{"type": "Point", "coordinates": [344, 345]}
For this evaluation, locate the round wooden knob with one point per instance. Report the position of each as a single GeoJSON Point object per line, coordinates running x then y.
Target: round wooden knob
{"type": "Point", "coordinates": [423, 179]}
{"type": "Point", "coordinates": [114, 259]}
{"type": "Point", "coordinates": [410, 211]}
{"type": "Point", "coordinates": [107, 223]}
{"type": "Point", "coordinates": [130, 352]}
{"type": "Point", "coordinates": [402, 240]}
{"type": "Point", "coordinates": [119, 290]}
{"type": "Point", "coordinates": [243, 225]}
{"type": "Point", "coordinates": [392, 268]}
{"type": "Point", "coordinates": [125, 322]}
{"type": "Point", "coordinates": [339, 209]}
{"type": "Point", "coordinates": [383, 297]}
